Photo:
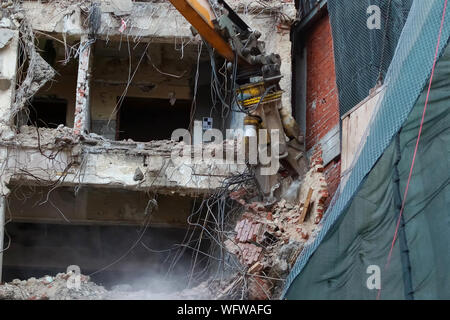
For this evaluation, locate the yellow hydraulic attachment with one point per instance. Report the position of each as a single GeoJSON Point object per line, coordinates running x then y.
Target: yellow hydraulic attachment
{"type": "Point", "coordinates": [258, 93]}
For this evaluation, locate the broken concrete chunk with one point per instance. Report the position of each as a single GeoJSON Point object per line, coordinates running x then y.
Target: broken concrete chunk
{"type": "Point", "coordinates": [155, 164]}
{"type": "Point", "coordinates": [138, 175]}
{"type": "Point", "coordinates": [6, 134]}
{"type": "Point", "coordinates": [5, 35]}
{"type": "Point", "coordinates": [19, 16]}
{"type": "Point", "coordinates": [7, 4]}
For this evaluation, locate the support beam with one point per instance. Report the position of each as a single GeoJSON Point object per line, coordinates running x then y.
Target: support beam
{"type": "Point", "coordinates": [111, 168]}
{"type": "Point", "coordinates": [8, 69]}
{"type": "Point", "coordinates": [82, 104]}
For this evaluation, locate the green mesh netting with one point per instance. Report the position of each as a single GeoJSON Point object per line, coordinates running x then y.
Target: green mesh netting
{"type": "Point", "coordinates": [362, 54]}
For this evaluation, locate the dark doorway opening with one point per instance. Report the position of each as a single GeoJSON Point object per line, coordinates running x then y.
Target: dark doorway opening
{"type": "Point", "coordinates": [47, 112]}
{"type": "Point", "coordinates": [39, 249]}
{"type": "Point", "coordinates": [147, 119]}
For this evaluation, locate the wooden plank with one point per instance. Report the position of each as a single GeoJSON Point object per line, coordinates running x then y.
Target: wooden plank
{"type": "Point", "coordinates": [306, 206]}
{"type": "Point", "coordinates": [374, 92]}
{"type": "Point", "coordinates": [255, 268]}
{"type": "Point", "coordinates": [354, 125]}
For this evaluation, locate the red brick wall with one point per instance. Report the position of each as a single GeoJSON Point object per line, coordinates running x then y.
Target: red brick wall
{"type": "Point", "coordinates": [322, 112]}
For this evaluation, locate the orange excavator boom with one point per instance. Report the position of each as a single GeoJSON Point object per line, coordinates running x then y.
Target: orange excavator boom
{"type": "Point", "coordinates": [201, 16]}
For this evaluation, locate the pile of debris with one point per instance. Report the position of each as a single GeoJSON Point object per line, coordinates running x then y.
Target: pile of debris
{"type": "Point", "coordinates": [45, 138]}
{"type": "Point", "coordinates": [52, 288]}
{"type": "Point", "coordinates": [62, 287]}
{"type": "Point", "coordinates": [269, 238]}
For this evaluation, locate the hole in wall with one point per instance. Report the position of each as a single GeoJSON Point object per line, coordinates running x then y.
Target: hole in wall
{"type": "Point", "coordinates": [104, 224]}
{"type": "Point", "coordinates": [47, 112]}
{"type": "Point", "coordinates": [146, 119]}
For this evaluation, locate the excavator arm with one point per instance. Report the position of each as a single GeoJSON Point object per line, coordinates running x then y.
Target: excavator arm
{"type": "Point", "coordinates": [258, 91]}
{"type": "Point", "coordinates": [231, 37]}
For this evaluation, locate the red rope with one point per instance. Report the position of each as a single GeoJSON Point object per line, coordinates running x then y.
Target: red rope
{"type": "Point", "coordinates": [417, 142]}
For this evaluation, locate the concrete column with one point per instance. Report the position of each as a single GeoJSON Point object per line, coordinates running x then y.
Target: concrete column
{"type": "Point", "coordinates": [82, 104]}
{"type": "Point", "coordinates": [8, 69]}
{"type": "Point", "coordinates": [2, 231]}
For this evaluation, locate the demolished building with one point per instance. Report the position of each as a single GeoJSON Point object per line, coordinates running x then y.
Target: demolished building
{"type": "Point", "coordinates": [92, 94]}
{"type": "Point", "coordinates": [96, 172]}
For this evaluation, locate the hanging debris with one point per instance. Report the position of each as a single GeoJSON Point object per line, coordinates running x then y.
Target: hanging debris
{"type": "Point", "coordinates": [267, 240]}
